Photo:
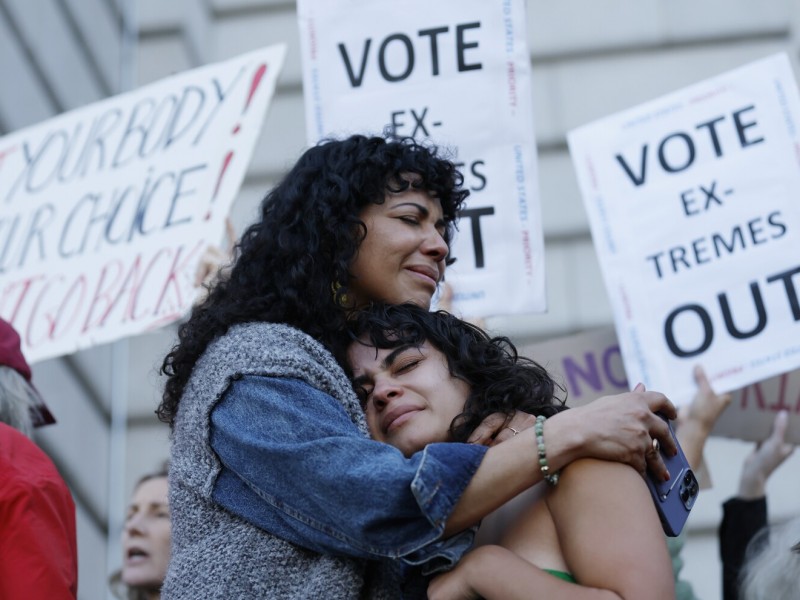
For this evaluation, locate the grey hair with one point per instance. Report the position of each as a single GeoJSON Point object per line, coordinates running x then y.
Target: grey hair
{"type": "Point", "coordinates": [17, 399]}
{"type": "Point", "coordinates": [772, 564]}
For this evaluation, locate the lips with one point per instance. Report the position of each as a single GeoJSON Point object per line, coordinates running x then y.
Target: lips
{"type": "Point", "coordinates": [395, 417]}
{"type": "Point", "coordinates": [431, 273]}
{"type": "Point", "coordinates": [136, 554]}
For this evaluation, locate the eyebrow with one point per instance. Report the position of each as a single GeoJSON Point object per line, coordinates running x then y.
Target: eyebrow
{"type": "Point", "coordinates": [385, 363]}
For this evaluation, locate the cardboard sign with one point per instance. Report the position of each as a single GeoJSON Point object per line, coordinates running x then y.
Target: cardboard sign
{"type": "Point", "coordinates": [589, 365]}
{"type": "Point", "coordinates": [456, 74]}
{"type": "Point", "coordinates": [693, 204]}
{"type": "Point", "coordinates": [106, 210]}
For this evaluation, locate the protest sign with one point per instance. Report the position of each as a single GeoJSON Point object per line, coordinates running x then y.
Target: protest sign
{"type": "Point", "coordinates": [107, 209]}
{"type": "Point", "coordinates": [692, 202]}
{"type": "Point", "coordinates": [752, 409]}
{"type": "Point", "coordinates": [456, 74]}
{"type": "Point", "coordinates": [589, 365]}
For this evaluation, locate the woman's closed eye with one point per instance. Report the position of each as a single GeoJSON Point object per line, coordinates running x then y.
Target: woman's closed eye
{"type": "Point", "coordinates": [410, 219]}
{"type": "Point", "coordinates": [407, 365]}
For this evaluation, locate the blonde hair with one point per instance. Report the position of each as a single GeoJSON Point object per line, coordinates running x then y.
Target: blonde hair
{"type": "Point", "coordinates": [772, 563]}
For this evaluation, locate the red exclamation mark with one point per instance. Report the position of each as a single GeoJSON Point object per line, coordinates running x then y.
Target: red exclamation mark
{"type": "Point", "coordinates": [257, 76]}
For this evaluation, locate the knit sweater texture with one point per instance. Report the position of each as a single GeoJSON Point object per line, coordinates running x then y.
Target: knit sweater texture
{"type": "Point", "coordinates": [216, 554]}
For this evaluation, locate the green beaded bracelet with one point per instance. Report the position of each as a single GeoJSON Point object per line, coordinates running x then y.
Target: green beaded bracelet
{"type": "Point", "coordinates": [538, 428]}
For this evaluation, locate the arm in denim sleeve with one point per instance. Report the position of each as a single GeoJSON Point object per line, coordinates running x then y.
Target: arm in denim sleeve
{"type": "Point", "coordinates": [296, 466]}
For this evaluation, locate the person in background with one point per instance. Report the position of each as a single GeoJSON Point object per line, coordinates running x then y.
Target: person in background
{"type": "Point", "coordinates": [771, 569]}
{"type": "Point", "coordinates": [745, 515]}
{"type": "Point", "coordinates": [38, 543]}
{"type": "Point", "coordinates": [427, 378]}
{"type": "Point", "coordinates": [697, 419]}
{"type": "Point", "coordinates": [145, 540]}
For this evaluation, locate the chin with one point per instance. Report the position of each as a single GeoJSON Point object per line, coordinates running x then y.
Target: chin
{"type": "Point", "coordinates": [408, 292]}
{"type": "Point", "coordinates": [420, 299]}
{"type": "Point", "coordinates": [410, 447]}
{"type": "Point", "coordinates": [141, 579]}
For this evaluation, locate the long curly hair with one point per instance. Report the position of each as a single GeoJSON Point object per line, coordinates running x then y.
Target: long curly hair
{"type": "Point", "coordinates": [500, 380]}
{"type": "Point", "coordinates": [292, 264]}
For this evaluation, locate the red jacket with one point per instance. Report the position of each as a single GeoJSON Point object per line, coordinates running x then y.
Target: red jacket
{"type": "Point", "coordinates": [38, 548]}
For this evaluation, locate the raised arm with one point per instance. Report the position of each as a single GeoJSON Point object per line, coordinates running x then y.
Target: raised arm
{"type": "Point", "coordinates": [746, 513]}
{"type": "Point", "coordinates": [767, 456]}
{"type": "Point", "coordinates": [698, 419]}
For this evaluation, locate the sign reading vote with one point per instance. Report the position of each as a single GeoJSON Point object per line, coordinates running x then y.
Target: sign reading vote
{"type": "Point", "coordinates": [589, 365]}
{"type": "Point", "coordinates": [693, 204]}
{"type": "Point", "coordinates": [455, 73]}
{"type": "Point", "coordinates": [106, 210]}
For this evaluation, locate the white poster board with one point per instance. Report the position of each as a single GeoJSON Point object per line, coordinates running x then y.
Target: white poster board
{"type": "Point", "coordinates": [694, 206]}
{"type": "Point", "coordinates": [456, 73]}
{"type": "Point", "coordinates": [589, 365]}
{"type": "Point", "coordinates": [106, 210]}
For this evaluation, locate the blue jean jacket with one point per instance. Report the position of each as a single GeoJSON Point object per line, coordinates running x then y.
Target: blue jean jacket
{"type": "Point", "coordinates": [295, 465]}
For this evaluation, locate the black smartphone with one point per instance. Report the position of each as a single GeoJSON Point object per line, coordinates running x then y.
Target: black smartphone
{"type": "Point", "coordinates": [675, 498]}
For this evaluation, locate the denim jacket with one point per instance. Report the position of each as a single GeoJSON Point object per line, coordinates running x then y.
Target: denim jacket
{"type": "Point", "coordinates": [275, 436]}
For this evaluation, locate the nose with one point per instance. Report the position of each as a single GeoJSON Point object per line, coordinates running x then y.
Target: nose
{"type": "Point", "coordinates": [384, 393]}
{"type": "Point", "coordinates": [135, 525]}
{"type": "Point", "coordinates": [434, 245]}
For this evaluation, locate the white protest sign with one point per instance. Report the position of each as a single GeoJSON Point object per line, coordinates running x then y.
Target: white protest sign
{"type": "Point", "coordinates": [693, 204]}
{"type": "Point", "coordinates": [455, 73]}
{"type": "Point", "coordinates": [589, 365]}
{"type": "Point", "coordinates": [106, 210]}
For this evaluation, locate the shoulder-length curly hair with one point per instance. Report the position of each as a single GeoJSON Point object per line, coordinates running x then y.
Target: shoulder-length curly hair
{"type": "Point", "coordinates": [304, 242]}
{"type": "Point", "coordinates": [500, 380]}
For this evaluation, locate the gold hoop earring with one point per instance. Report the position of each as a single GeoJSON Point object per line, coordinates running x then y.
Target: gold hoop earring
{"type": "Point", "coordinates": [338, 299]}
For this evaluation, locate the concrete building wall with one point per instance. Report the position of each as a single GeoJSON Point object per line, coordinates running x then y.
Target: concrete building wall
{"type": "Point", "coordinates": [589, 59]}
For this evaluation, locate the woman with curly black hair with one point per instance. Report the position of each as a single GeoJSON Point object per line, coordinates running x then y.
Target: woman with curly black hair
{"type": "Point", "coordinates": [276, 490]}
{"type": "Point", "coordinates": [428, 377]}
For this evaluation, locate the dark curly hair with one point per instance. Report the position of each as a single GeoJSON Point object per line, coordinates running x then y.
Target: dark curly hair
{"type": "Point", "coordinates": [500, 380]}
{"type": "Point", "coordinates": [304, 242]}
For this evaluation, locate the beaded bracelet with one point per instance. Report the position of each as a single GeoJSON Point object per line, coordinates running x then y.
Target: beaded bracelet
{"type": "Point", "coordinates": [538, 428]}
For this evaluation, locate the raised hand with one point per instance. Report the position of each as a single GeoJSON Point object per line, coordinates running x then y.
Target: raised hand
{"type": "Point", "coordinates": [767, 456]}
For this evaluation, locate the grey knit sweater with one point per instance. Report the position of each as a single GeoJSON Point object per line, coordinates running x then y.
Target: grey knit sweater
{"type": "Point", "coordinates": [216, 554]}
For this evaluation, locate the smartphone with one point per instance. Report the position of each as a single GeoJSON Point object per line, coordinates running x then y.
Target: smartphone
{"type": "Point", "coordinates": [675, 498]}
